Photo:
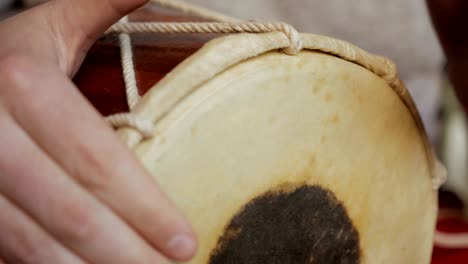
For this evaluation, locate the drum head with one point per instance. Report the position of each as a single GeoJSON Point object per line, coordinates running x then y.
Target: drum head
{"type": "Point", "coordinates": [297, 159]}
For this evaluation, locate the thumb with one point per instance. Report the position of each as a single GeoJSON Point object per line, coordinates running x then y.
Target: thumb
{"type": "Point", "coordinates": [89, 18]}
{"type": "Point", "coordinates": [80, 22]}
{"type": "Point", "coordinates": [61, 31]}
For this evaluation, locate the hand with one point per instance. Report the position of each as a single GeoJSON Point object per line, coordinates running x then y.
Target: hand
{"type": "Point", "coordinates": [450, 19]}
{"type": "Point", "coordinates": [70, 191]}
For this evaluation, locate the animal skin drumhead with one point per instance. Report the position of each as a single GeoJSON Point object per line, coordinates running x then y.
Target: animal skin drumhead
{"type": "Point", "coordinates": [297, 159]}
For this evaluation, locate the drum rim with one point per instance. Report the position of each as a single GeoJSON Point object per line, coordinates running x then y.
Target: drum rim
{"type": "Point", "coordinates": [207, 63]}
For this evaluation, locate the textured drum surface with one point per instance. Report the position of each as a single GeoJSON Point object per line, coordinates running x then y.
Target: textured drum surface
{"type": "Point", "coordinates": [275, 158]}
{"type": "Point", "coordinates": [248, 148]}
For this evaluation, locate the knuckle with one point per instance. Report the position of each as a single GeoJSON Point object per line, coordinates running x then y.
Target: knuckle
{"type": "Point", "coordinates": [75, 223]}
{"type": "Point", "coordinates": [16, 80]}
{"type": "Point", "coordinates": [20, 243]}
{"type": "Point", "coordinates": [92, 170]}
{"type": "Point", "coordinates": [14, 70]}
{"type": "Point", "coordinates": [35, 251]}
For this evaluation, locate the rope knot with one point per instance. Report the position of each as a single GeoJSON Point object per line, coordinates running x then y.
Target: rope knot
{"type": "Point", "coordinates": [225, 24]}
{"type": "Point", "coordinates": [143, 126]}
{"type": "Point", "coordinates": [294, 37]}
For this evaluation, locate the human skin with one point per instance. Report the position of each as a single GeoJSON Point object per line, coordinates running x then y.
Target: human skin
{"type": "Point", "coordinates": [70, 190]}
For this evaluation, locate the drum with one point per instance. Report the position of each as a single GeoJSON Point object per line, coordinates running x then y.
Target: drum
{"type": "Point", "coordinates": [317, 157]}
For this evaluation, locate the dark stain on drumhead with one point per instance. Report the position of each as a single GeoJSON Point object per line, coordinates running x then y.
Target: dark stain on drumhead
{"type": "Point", "coordinates": [300, 225]}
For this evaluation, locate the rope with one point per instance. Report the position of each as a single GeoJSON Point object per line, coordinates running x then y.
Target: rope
{"type": "Point", "coordinates": [131, 89]}
{"type": "Point", "coordinates": [228, 25]}
{"type": "Point", "coordinates": [124, 27]}
{"type": "Point", "coordinates": [145, 127]}
{"type": "Point", "coordinates": [213, 27]}
{"type": "Point", "coordinates": [128, 69]}
{"type": "Point", "coordinates": [225, 24]}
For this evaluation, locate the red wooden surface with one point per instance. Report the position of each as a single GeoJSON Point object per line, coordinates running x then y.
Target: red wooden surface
{"type": "Point", "coordinates": [452, 222]}
{"type": "Point", "coordinates": [154, 55]}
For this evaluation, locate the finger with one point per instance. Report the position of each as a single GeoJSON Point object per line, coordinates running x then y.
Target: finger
{"type": "Point", "coordinates": [23, 241]}
{"type": "Point", "coordinates": [78, 139]}
{"type": "Point", "coordinates": [61, 31]}
{"type": "Point", "coordinates": [80, 22]}
{"type": "Point", "coordinates": [93, 17]}
{"type": "Point", "coordinates": [32, 181]}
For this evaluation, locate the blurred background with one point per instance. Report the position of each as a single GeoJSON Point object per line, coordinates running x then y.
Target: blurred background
{"type": "Point", "coordinates": [400, 30]}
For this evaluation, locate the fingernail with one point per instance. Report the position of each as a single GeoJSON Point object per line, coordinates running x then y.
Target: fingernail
{"type": "Point", "coordinates": [182, 246]}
